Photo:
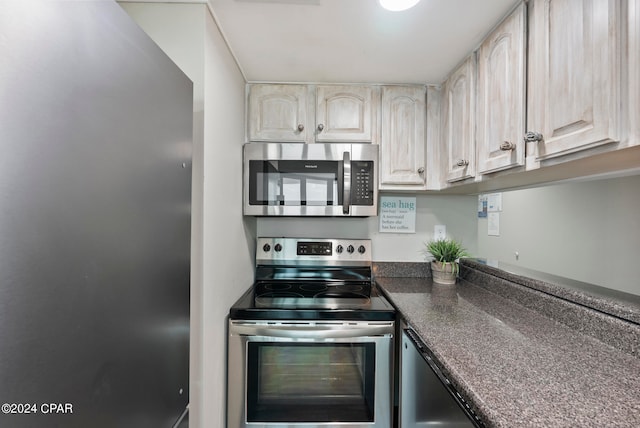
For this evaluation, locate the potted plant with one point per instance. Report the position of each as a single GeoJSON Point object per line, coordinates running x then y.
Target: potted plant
{"type": "Point", "coordinates": [446, 252]}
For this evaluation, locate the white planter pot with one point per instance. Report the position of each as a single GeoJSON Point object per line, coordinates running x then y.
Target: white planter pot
{"type": "Point", "coordinates": [443, 273]}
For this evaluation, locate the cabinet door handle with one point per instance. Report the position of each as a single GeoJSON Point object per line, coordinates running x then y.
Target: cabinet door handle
{"type": "Point", "coordinates": [320, 127]}
{"type": "Point", "coordinates": [421, 170]}
{"type": "Point", "coordinates": [462, 162]}
{"type": "Point", "coordinates": [532, 136]}
{"type": "Point", "coordinates": [300, 128]}
{"type": "Point", "coordinates": [507, 145]}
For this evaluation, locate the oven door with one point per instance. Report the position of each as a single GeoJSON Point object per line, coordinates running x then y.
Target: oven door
{"type": "Point", "coordinates": [295, 374]}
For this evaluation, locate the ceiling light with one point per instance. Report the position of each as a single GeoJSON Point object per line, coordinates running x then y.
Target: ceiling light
{"type": "Point", "coordinates": [398, 5]}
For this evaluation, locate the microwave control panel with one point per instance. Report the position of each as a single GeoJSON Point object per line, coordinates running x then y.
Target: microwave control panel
{"type": "Point", "coordinates": [362, 183]}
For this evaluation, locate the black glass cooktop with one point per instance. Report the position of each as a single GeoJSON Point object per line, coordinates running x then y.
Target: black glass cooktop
{"type": "Point", "coordinates": [252, 306]}
{"type": "Point", "coordinates": [312, 289]}
{"type": "Point", "coordinates": [294, 292]}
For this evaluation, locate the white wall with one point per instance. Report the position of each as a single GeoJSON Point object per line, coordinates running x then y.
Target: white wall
{"type": "Point", "coordinates": [228, 241]}
{"type": "Point", "coordinates": [222, 241]}
{"type": "Point", "coordinates": [457, 213]}
{"type": "Point", "coordinates": [588, 231]}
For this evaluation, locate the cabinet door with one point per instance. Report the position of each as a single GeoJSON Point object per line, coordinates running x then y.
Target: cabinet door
{"type": "Point", "coordinates": [501, 96]}
{"type": "Point", "coordinates": [574, 75]}
{"type": "Point", "coordinates": [402, 138]}
{"type": "Point", "coordinates": [633, 67]}
{"type": "Point", "coordinates": [344, 113]}
{"type": "Point", "coordinates": [459, 121]}
{"type": "Point", "coordinates": [278, 113]}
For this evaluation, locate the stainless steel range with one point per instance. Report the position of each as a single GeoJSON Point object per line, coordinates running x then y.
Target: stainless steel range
{"type": "Point", "coordinates": [311, 342]}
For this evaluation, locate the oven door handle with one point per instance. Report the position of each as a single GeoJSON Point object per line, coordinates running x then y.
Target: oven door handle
{"type": "Point", "coordinates": [312, 332]}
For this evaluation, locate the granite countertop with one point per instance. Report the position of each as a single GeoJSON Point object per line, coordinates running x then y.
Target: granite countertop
{"type": "Point", "coordinates": [519, 367]}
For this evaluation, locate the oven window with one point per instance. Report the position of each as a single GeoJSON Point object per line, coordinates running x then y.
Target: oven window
{"type": "Point", "coordinates": [304, 382]}
{"type": "Point", "coordinates": [295, 183]}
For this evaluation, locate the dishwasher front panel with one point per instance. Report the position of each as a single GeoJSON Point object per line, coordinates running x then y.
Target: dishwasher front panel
{"type": "Point", "coordinates": [427, 399]}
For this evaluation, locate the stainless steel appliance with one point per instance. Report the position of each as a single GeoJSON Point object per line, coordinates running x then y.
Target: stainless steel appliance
{"type": "Point", "coordinates": [293, 179]}
{"type": "Point", "coordinates": [311, 342]}
{"type": "Point", "coordinates": [95, 190]}
{"type": "Point", "coordinates": [427, 397]}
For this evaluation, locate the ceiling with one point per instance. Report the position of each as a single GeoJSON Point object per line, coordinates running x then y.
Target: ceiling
{"type": "Point", "coordinates": [354, 41]}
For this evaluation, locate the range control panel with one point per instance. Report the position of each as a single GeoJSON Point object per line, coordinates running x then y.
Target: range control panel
{"type": "Point", "coordinates": [314, 248]}
{"type": "Point", "coordinates": [322, 251]}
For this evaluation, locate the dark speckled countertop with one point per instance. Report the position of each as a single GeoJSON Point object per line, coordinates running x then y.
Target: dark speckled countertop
{"type": "Point", "coordinates": [520, 366]}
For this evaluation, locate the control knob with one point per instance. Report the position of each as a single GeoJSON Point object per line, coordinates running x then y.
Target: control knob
{"type": "Point", "coordinates": [266, 248]}
{"type": "Point", "coordinates": [350, 249]}
{"type": "Point", "coordinates": [361, 249]}
{"type": "Point", "coordinates": [278, 248]}
{"type": "Point", "coordinates": [339, 249]}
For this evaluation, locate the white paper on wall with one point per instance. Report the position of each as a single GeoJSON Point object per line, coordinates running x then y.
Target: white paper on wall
{"type": "Point", "coordinates": [493, 223]}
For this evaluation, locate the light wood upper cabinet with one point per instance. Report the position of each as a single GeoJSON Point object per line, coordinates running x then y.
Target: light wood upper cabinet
{"type": "Point", "coordinates": [458, 127]}
{"type": "Point", "coordinates": [632, 89]}
{"type": "Point", "coordinates": [402, 140]}
{"type": "Point", "coordinates": [345, 113]}
{"type": "Point", "coordinates": [309, 113]}
{"type": "Point", "coordinates": [574, 75]}
{"type": "Point", "coordinates": [501, 95]}
{"type": "Point", "coordinates": [279, 113]}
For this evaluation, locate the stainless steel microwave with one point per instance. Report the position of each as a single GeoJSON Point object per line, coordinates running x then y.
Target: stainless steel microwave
{"type": "Point", "coordinates": [295, 179]}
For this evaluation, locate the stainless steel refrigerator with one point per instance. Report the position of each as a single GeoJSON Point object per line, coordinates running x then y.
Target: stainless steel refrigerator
{"type": "Point", "coordinates": [95, 191]}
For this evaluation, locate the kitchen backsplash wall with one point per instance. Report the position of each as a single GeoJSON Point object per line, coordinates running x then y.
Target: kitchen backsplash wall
{"type": "Point", "coordinates": [587, 231]}
{"type": "Point", "coordinates": [457, 213]}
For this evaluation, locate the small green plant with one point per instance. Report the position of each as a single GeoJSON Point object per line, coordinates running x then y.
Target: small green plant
{"type": "Point", "coordinates": [446, 251]}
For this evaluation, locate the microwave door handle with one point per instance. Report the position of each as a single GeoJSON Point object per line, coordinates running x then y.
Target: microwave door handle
{"type": "Point", "coordinates": [346, 182]}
